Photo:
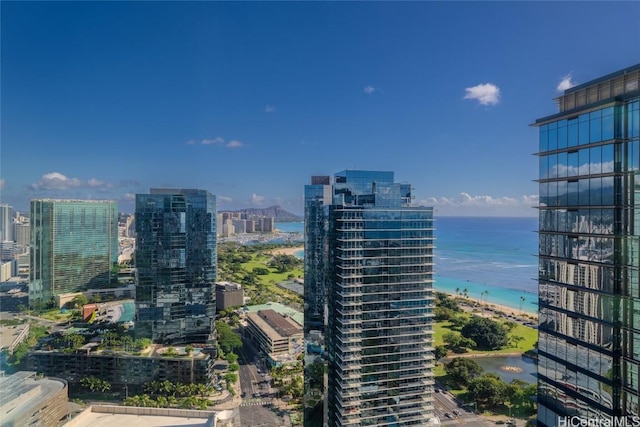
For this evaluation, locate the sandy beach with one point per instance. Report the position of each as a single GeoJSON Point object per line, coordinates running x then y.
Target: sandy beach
{"type": "Point", "coordinates": [490, 308]}
{"type": "Point", "coordinates": [287, 251]}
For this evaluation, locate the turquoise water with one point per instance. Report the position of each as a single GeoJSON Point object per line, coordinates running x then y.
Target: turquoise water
{"type": "Point", "coordinates": [128, 312]}
{"type": "Point", "coordinates": [497, 255]}
{"type": "Point", "coordinates": [496, 295]}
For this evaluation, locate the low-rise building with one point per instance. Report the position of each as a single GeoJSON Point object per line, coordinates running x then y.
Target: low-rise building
{"type": "Point", "coordinates": [228, 295]}
{"type": "Point", "coordinates": [278, 338]}
{"type": "Point", "coordinates": [27, 399]}
{"type": "Point", "coordinates": [125, 369]}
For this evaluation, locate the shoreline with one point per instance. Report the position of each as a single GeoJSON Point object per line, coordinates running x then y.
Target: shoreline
{"type": "Point", "coordinates": [472, 303]}
{"type": "Point", "coordinates": [287, 251]}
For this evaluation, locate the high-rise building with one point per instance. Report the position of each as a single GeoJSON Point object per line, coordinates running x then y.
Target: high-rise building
{"type": "Point", "coordinates": [6, 223]}
{"type": "Point", "coordinates": [368, 289]}
{"type": "Point", "coordinates": [589, 252]}
{"type": "Point", "coordinates": [74, 246]}
{"type": "Point", "coordinates": [176, 263]}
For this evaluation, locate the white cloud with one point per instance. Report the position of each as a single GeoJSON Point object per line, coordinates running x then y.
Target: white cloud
{"type": "Point", "coordinates": [257, 200]}
{"type": "Point", "coordinates": [59, 181]}
{"type": "Point", "coordinates": [269, 108]}
{"type": "Point", "coordinates": [485, 94]}
{"type": "Point", "coordinates": [215, 141]}
{"type": "Point", "coordinates": [467, 204]}
{"type": "Point", "coordinates": [369, 89]}
{"type": "Point", "coordinates": [566, 83]}
{"type": "Point", "coordinates": [234, 144]}
{"type": "Point", "coordinates": [129, 196]}
{"type": "Point", "coordinates": [2, 183]}
{"type": "Point", "coordinates": [224, 200]}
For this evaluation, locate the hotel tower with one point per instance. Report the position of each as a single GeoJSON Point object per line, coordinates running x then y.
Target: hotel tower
{"type": "Point", "coordinates": [589, 252]}
{"type": "Point", "coordinates": [368, 300]}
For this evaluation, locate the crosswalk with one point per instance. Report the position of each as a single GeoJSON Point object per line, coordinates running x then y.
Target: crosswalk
{"type": "Point", "coordinates": [255, 403]}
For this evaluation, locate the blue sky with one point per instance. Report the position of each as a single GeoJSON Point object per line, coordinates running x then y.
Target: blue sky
{"type": "Point", "coordinates": [104, 100]}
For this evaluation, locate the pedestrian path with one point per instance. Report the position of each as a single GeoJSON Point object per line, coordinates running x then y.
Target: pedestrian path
{"type": "Point", "coordinates": [255, 403]}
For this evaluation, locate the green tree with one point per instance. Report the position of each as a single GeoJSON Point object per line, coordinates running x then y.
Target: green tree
{"type": "Point", "coordinates": [95, 384]}
{"type": "Point", "coordinates": [457, 342]}
{"type": "Point", "coordinates": [488, 389]}
{"type": "Point", "coordinates": [486, 333]}
{"type": "Point", "coordinates": [440, 352]}
{"type": "Point", "coordinates": [462, 370]}
{"type": "Point", "coordinates": [79, 300]}
{"type": "Point", "coordinates": [227, 339]}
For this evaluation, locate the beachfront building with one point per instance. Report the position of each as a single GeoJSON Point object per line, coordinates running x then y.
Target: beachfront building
{"type": "Point", "coordinates": [176, 262]}
{"type": "Point", "coordinates": [368, 267]}
{"type": "Point", "coordinates": [589, 231]}
{"type": "Point", "coordinates": [74, 247]}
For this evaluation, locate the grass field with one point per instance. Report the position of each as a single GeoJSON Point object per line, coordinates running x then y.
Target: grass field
{"type": "Point", "coordinates": [529, 335]}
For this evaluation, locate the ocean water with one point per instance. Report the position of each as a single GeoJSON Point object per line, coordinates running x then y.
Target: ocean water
{"type": "Point", "coordinates": [493, 258]}
{"type": "Point", "coordinates": [496, 255]}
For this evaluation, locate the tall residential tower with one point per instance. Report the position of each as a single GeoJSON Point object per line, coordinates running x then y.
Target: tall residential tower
{"type": "Point", "coordinates": [589, 259]}
{"type": "Point", "coordinates": [176, 262]}
{"type": "Point", "coordinates": [74, 246]}
{"type": "Point", "coordinates": [368, 289]}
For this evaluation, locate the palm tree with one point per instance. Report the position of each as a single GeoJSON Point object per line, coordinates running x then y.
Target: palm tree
{"type": "Point", "coordinates": [458, 291]}
{"type": "Point", "coordinates": [465, 292]}
{"type": "Point", "coordinates": [522, 299]}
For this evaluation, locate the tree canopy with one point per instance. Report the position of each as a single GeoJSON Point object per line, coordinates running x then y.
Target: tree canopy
{"type": "Point", "coordinates": [486, 333]}
{"type": "Point", "coordinates": [462, 370]}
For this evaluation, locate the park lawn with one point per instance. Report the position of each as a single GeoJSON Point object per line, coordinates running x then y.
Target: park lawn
{"type": "Point", "coordinates": [529, 335]}
{"type": "Point", "coordinates": [269, 280]}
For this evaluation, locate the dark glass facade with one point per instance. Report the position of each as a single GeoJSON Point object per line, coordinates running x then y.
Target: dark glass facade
{"type": "Point", "coordinates": [74, 246]}
{"type": "Point", "coordinates": [176, 262]}
{"type": "Point", "coordinates": [375, 251]}
{"type": "Point", "coordinates": [589, 232]}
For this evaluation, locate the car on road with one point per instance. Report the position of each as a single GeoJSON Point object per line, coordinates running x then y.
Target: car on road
{"type": "Point", "coordinates": [256, 394]}
{"type": "Point", "coordinates": [448, 415]}
{"type": "Point", "coordinates": [243, 395]}
{"type": "Point", "coordinates": [456, 412]}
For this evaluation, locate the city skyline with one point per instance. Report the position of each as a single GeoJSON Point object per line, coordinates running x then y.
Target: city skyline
{"type": "Point", "coordinates": [103, 100]}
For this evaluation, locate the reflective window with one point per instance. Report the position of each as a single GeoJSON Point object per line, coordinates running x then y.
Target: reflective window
{"type": "Point", "coordinates": [595, 126]}
{"type": "Point", "coordinates": [553, 135]}
{"type": "Point", "coordinates": [583, 129]}
{"type": "Point", "coordinates": [572, 163]}
{"type": "Point", "coordinates": [607, 123]}
{"type": "Point", "coordinates": [572, 132]}
{"type": "Point", "coordinates": [544, 141]}
{"type": "Point", "coordinates": [562, 134]}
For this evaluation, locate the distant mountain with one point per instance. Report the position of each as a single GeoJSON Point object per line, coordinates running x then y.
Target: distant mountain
{"type": "Point", "coordinates": [277, 212]}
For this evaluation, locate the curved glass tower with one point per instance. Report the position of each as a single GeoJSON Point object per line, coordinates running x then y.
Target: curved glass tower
{"type": "Point", "coordinates": [589, 290]}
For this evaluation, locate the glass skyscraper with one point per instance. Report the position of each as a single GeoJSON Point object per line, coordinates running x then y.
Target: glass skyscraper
{"type": "Point", "coordinates": [368, 291]}
{"type": "Point", "coordinates": [589, 252]}
{"type": "Point", "coordinates": [176, 264]}
{"type": "Point", "coordinates": [74, 246]}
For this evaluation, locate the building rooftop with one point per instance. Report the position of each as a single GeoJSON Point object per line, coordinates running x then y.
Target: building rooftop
{"type": "Point", "coordinates": [107, 416]}
{"type": "Point", "coordinates": [277, 321]}
{"type": "Point", "coordinates": [23, 390]}
{"type": "Point", "coordinates": [279, 308]}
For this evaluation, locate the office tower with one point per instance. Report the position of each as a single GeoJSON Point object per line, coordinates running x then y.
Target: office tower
{"type": "Point", "coordinates": [74, 246]}
{"type": "Point", "coordinates": [176, 262]}
{"type": "Point", "coordinates": [368, 289]}
{"type": "Point", "coordinates": [589, 231]}
{"type": "Point", "coordinates": [6, 223]}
